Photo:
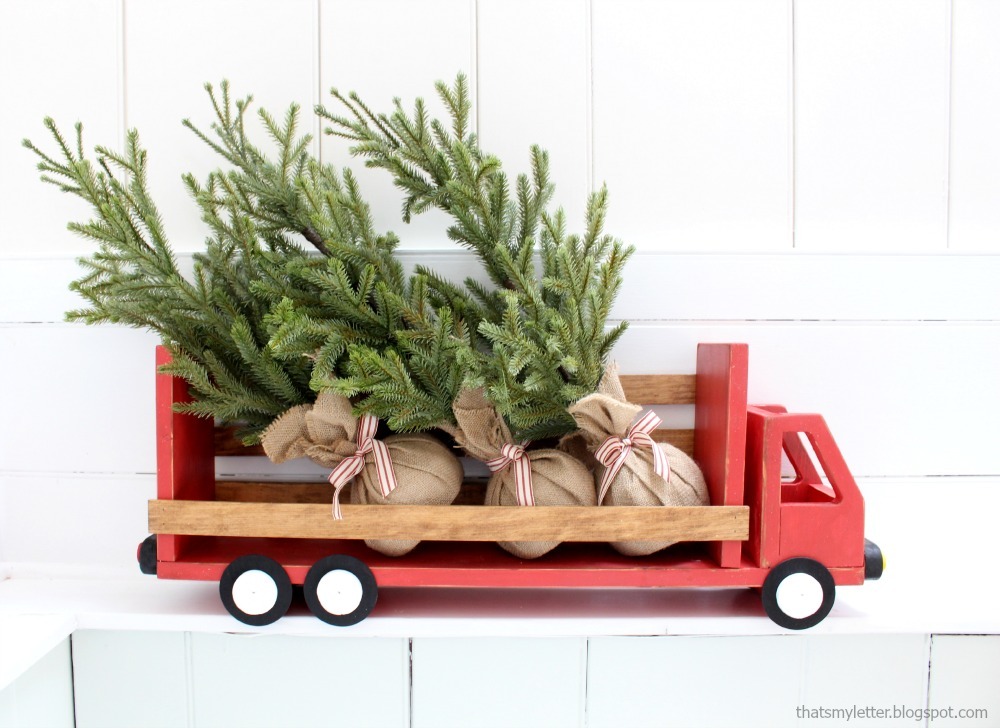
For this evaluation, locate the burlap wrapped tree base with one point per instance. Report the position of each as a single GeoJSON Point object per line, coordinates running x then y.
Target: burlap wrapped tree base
{"type": "Point", "coordinates": [556, 478]}
{"type": "Point", "coordinates": [605, 415]}
{"type": "Point", "coordinates": [426, 472]}
{"type": "Point", "coordinates": [433, 478]}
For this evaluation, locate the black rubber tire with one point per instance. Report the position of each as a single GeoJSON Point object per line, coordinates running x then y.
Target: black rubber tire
{"type": "Point", "coordinates": [270, 567]}
{"type": "Point", "coordinates": [799, 565]}
{"type": "Point", "coordinates": [369, 589]}
{"type": "Point", "coordinates": [874, 561]}
{"type": "Point", "coordinates": [147, 555]}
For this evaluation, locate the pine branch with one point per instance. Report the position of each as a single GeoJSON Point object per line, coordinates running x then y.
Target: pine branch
{"type": "Point", "coordinates": [541, 338]}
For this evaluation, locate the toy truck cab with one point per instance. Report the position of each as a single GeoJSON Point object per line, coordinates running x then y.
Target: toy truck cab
{"type": "Point", "coordinates": [810, 529]}
{"type": "Point", "coordinates": [794, 539]}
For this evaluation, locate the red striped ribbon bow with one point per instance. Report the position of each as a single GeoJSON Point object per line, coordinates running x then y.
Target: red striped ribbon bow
{"type": "Point", "coordinates": [614, 450]}
{"type": "Point", "coordinates": [522, 471]}
{"type": "Point", "coordinates": [351, 466]}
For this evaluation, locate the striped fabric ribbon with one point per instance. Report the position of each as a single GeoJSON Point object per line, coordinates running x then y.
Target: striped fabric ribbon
{"type": "Point", "coordinates": [514, 454]}
{"type": "Point", "coordinates": [613, 451]}
{"type": "Point", "coordinates": [349, 467]}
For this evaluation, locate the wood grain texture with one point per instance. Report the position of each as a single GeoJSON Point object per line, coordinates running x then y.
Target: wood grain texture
{"type": "Point", "coordinates": [720, 419]}
{"type": "Point", "coordinates": [473, 492]}
{"type": "Point", "coordinates": [449, 523]}
{"type": "Point", "coordinates": [227, 443]}
{"type": "Point", "coordinates": [659, 388]}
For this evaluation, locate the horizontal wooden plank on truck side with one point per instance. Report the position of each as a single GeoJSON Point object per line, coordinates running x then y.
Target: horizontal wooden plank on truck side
{"type": "Point", "coordinates": [451, 523]}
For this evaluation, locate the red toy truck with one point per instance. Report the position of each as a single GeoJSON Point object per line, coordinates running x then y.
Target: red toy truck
{"type": "Point", "coordinates": [795, 538]}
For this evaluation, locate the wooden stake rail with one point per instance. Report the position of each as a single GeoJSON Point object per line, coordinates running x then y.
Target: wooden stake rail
{"type": "Point", "coordinates": [450, 523]}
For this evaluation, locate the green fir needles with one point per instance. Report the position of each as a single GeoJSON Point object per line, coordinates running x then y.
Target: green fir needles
{"type": "Point", "coordinates": [544, 339]}
{"type": "Point", "coordinates": [264, 322]}
{"type": "Point", "coordinates": [218, 324]}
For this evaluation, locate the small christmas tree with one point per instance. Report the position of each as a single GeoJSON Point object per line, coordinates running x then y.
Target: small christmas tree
{"type": "Point", "coordinates": [543, 342]}
{"type": "Point", "coordinates": [217, 325]}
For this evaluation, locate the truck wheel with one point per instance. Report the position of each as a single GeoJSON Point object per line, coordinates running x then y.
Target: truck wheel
{"type": "Point", "coordinates": [146, 555]}
{"type": "Point", "coordinates": [798, 593]}
{"type": "Point", "coordinates": [340, 590]}
{"type": "Point", "coordinates": [256, 590]}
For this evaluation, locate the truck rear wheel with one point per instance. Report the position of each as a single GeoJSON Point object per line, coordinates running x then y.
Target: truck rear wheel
{"type": "Point", "coordinates": [798, 593]}
{"type": "Point", "coordinates": [340, 590]}
{"type": "Point", "coordinates": [256, 590]}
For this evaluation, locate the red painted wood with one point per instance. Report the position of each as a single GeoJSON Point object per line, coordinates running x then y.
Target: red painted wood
{"type": "Point", "coordinates": [830, 531]}
{"type": "Point", "coordinates": [185, 457]}
{"type": "Point", "coordinates": [800, 518]}
{"type": "Point", "coordinates": [720, 430]}
{"type": "Point", "coordinates": [738, 447]}
{"type": "Point", "coordinates": [486, 565]}
{"type": "Point", "coordinates": [762, 464]}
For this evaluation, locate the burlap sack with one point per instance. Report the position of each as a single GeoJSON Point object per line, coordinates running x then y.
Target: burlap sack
{"type": "Point", "coordinates": [427, 472]}
{"type": "Point", "coordinates": [557, 478]}
{"type": "Point", "coordinates": [606, 414]}
{"type": "Point", "coordinates": [434, 477]}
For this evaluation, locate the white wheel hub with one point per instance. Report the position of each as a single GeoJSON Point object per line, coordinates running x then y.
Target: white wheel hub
{"type": "Point", "coordinates": [255, 592]}
{"type": "Point", "coordinates": [799, 595]}
{"type": "Point", "coordinates": [339, 592]}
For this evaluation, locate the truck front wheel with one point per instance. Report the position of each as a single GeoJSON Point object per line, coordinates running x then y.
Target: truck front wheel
{"type": "Point", "coordinates": [256, 590]}
{"type": "Point", "coordinates": [340, 590]}
{"type": "Point", "coordinates": [798, 593]}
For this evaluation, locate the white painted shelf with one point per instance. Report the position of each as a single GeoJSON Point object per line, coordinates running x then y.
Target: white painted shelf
{"type": "Point", "coordinates": [935, 532]}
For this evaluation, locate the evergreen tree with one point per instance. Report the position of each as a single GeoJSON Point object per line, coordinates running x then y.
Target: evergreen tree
{"type": "Point", "coordinates": [544, 343]}
{"type": "Point", "coordinates": [217, 325]}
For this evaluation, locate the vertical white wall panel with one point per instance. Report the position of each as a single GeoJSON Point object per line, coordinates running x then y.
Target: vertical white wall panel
{"type": "Point", "coordinates": [387, 48]}
{"type": "Point", "coordinates": [692, 122]}
{"type": "Point", "coordinates": [498, 682]}
{"type": "Point", "coordinates": [249, 681]}
{"type": "Point", "coordinates": [172, 48]}
{"type": "Point", "coordinates": [974, 218]}
{"type": "Point", "coordinates": [81, 399]}
{"type": "Point", "coordinates": [128, 679]}
{"type": "Point", "coordinates": [871, 124]}
{"type": "Point", "coordinates": [58, 58]}
{"type": "Point", "coordinates": [534, 86]}
{"type": "Point", "coordinates": [965, 673]}
{"type": "Point", "coordinates": [687, 681]}
{"type": "Point", "coordinates": [43, 696]}
{"type": "Point", "coordinates": [90, 521]}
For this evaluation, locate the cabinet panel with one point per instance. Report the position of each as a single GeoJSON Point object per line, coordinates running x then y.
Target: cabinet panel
{"type": "Point", "coordinates": [43, 696]}
{"type": "Point", "coordinates": [965, 673]}
{"type": "Point", "coordinates": [266, 681]}
{"type": "Point", "coordinates": [480, 682]}
{"type": "Point", "coordinates": [128, 679]}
